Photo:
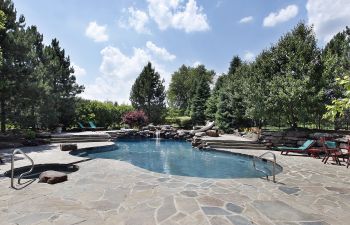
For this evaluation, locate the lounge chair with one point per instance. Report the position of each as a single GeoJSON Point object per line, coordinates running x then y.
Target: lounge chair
{"type": "Point", "coordinates": [94, 127]}
{"type": "Point", "coordinates": [302, 149]}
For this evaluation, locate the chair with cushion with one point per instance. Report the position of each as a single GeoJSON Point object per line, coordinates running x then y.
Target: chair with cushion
{"type": "Point", "coordinates": [331, 150]}
{"type": "Point", "coordinates": [94, 127]}
{"type": "Point", "coordinates": [301, 150]}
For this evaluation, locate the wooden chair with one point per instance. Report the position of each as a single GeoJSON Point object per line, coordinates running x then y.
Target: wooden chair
{"type": "Point", "coordinates": [331, 150]}
{"type": "Point", "coordinates": [346, 155]}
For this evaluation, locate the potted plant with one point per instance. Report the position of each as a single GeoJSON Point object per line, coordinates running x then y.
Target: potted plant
{"type": "Point", "coordinates": [59, 128]}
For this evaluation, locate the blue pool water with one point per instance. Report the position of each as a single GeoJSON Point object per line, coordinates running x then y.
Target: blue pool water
{"type": "Point", "coordinates": [179, 158]}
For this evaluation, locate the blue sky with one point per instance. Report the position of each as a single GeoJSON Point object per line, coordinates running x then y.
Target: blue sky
{"type": "Point", "coordinates": [110, 41]}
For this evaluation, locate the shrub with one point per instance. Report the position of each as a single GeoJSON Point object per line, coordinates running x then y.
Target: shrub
{"type": "Point", "coordinates": [186, 122]}
{"type": "Point", "coordinates": [135, 118]}
{"type": "Point", "coordinates": [29, 134]}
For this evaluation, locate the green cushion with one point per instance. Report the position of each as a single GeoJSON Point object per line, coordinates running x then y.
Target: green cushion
{"type": "Point", "coordinates": [331, 144]}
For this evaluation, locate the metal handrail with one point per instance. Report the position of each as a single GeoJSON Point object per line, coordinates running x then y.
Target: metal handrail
{"type": "Point", "coordinates": [13, 163]}
{"type": "Point", "coordinates": [273, 168]}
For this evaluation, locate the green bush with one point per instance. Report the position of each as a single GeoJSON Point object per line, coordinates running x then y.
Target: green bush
{"type": "Point", "coordinates": [29, 134]}
{"type": "Point", "coordinates": [103, 114]}
{"type": "Point", "coordinates": [186, 122]}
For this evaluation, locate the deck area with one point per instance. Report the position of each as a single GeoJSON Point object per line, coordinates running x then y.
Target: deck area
{"type": "Point", "coordinates": [106, 191]}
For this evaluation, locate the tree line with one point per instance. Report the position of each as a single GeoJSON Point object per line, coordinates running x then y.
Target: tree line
{"type": "Point", "coordinates": [291, 83]}
{"type": "Point", "coordinates": [37, 87]}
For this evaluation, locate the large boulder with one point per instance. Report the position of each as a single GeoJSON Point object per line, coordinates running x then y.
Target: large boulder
{"type": "Point", "coordinates": [52, 177]}
{"type": "Point", "coordinates": [68, 147]}
{"type": "Point", "coordinates": [212, 133]}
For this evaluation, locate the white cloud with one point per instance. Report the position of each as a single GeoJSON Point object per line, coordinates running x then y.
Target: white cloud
{"type": "Point", "coordinates": [247, 19]}
{"type": "Point", "coordinates": [137, 20]}
{"type": "Point", "coordinates": [248, 56]}
{"type": "Point", "coordinates": [161, 52]}
{"type": "Point", "coordinates": [171, 13]}
{"type": "Point", "coordinates": [196, 63]}
{"type": "Point", "coordinates": [119, 71]}
{"type": "Point", "coordinates": [96, 32]}
{"type": "Point", "coordinates": [281, 16]}
{"type": "Point", "coordinates": [78, 71]}
{"type": "Point", "coordinates": [328, 17]}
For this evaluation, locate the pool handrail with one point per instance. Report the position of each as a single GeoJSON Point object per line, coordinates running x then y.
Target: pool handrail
{"type": "Point", "coordinates": [273, 163]}
{"type": "Point", "coordinates": [13, 164]}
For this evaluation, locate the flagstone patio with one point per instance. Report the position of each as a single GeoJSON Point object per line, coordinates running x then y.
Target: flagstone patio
{"type": "Point", "coordinates": [106, 191]}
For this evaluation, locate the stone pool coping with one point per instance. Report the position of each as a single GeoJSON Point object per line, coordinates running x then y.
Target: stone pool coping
{"type": "Point", "coordinates": [114, 192]}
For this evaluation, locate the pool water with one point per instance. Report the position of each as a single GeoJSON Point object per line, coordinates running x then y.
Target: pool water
{"type": "Point", "coordinates": [179, 158]}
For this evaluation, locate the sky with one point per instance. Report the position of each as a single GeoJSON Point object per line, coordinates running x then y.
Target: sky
{"type": "Point", "coordinates": [110, 41]}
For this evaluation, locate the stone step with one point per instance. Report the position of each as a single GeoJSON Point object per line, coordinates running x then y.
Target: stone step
{"type": "Point", "coordinates": [238, 147]}
{"type": "Point", "coordinates": [230, 141]}
{"type": "Point", "coordinates": [233, 143]}
{"type": "Point", "coordinates": [69, 140]}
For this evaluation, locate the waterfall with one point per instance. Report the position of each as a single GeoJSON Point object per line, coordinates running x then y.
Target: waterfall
{"type": "Point", "coordinates": [157, 134]}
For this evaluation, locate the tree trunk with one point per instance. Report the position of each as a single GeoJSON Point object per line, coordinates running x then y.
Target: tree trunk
{"type": "Point", "coordinates": [2, 115]}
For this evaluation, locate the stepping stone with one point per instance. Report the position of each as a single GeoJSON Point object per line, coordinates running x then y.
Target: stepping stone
{"type": "Point", "coordinates": [314, 223]}
{"type": "Point", "coordinates": [239, 220]}
{"type": "Point", "coordinates": [52, 177]}
{"type": "Point", "coordinates": [189, 193]}
{"type": "Point", "coordinates": [280, 211]}
{"type": "Point", "coordinates": [234, 208]}
{"type": "Point", "coordinates": [289, 190]}
{"type": "Point", "coordinates": [166, 210]}
{"type": "Point", "coordinates": [215, 211]}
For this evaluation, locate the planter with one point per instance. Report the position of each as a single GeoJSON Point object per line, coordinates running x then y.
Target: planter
{"type": "Point", "coordinates": [58, 130]}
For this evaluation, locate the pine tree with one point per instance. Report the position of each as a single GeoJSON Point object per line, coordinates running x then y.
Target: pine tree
{"type": "Point", "coordinates": [224, 117]}
{"type": "Point", "coordinates": [199, 101]}
{"type": "Point", "coordinates": [147, 94]}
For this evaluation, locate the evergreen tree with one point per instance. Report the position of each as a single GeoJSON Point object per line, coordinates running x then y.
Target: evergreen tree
{"type": "Point", "coordinates": [12, 54]}
{"type": "Point", "coordinates": [147, 94]}
{"type": "Point", "coordinates": [224, 116]}
{"type": "Point", "coordinates": [235, 63]}
{"type": "Point", "coordinates": [211, 105]}
{"type": "Point", "coordinates": [199, 100]}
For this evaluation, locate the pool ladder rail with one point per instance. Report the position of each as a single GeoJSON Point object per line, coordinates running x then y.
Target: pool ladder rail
{"type": "Point", "coordinates": [13, 164]}
{"type": "Point", "coordinates": [273, 164]}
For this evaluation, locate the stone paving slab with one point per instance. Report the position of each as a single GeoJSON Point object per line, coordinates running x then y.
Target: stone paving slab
{"type": "Point", "coordinates": [107, 191]}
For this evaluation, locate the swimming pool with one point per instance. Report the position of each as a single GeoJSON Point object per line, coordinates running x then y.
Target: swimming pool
{"type": "Point", "coordinates": [179, 158]}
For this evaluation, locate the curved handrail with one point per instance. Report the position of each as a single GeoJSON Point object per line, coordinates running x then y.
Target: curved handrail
{"type": "Point", "coordinates": [273, 168]}
{"type": "Point", "coordinates": [13, 163]}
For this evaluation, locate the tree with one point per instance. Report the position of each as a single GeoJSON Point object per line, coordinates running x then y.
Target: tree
{"type": "Point", "coordinates": [299, 77]}
{"type": "Point", "coordinates": [2, 26]}
{"type": "Point", "coordinates": [183, 86]}
{"type": "Point", "coordinates": [147, 94]}
{"type": "Point", "coordinates": [199, 100]}
{"type": "Point", "coordinates": [235, 63]}
{"type": "Point", "coordinates": [211, 104]}
{"type": "Point", "coordinates": [178, 93]}
{"type": "Point", "coordinates": [135, 118]}
{"type": "Point", "coordinates": [8, 47]}
{"type": "Point", "coordinates": [336, 64]}
{"type": "Point", "coordinates": [336, 59]}
{"type": "Point", "coordinates": [224, 114]}
{"type": "Point", "coordinates": [60, 87]}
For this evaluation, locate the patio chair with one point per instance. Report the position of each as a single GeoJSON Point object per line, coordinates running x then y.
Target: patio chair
{"type": "Point", "coordinates": [346, 155]}
{"type": "Point", "coordinates": [94, 127]}
{"type": "Point", "coordinates": [301, 150]}
{"type": "Point", "coordinates": [331, 150]}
